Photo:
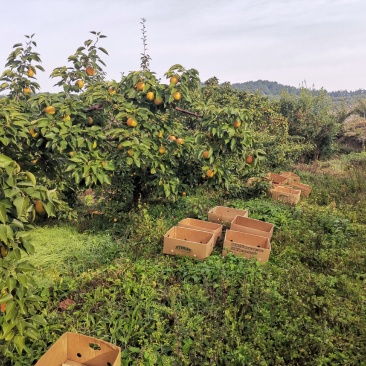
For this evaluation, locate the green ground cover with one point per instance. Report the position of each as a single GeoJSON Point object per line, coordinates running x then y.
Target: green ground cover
{"type": "Point", "coordinates": [305, 306]}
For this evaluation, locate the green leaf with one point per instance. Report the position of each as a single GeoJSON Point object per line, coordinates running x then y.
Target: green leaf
{"type": "Point", "coordinates": [103, 50]}
{"type": "Point", "coordinates": [29, 248]}
{"type": "Point", "coordinates": [11, 282]}
{"type": "Point", "coordinates": [23, 279]}
{"type": "Point", "coordinates": [33, 334]}
{"type": "Point", "coordinates": [232, 144]}
{"type": "Point", "coordinates": [11, 312]}
{"type": "Point", "coordinates": [5, 298]}
{"type": "Point", "coordinates": [8, 326]}
{"type": "Point", "coordinates": [107, 179]}
{"type": "Point", "coordinates": [25, 267]}
{"type": "Point", "coordinates": [167, 190]}
{"type": "Point", "coordinates": [3, 234]}
{"type": "Point", "coordinates": [137, 162]}
{"type": "Point", "coordinates": [34, 298]}
{"type": "Point", "coordinates": [21, 327]}
{"type": "Point", "coordinates": [31, 177]}
{"type": "Point", "coordinates": [3, 215]}
{"type": "Point", "coordinates": [18, 224]}
{"type": "Point", "coordinates": [9, 336]}
{"type": "Point", "coordinates": [87, 180]}
{"type": "Point", "coordinates": [21, 204]}
{"type": "Point", "coordinates": [5, 161]}
{"type": "Point", "coordinates": [38, 319]}
{"type": "Point", "coordinates": [70, 167]}
{"type": "Point", "coordinates": [19, 342]}
{"type": "Point", "coordinates": [50, 209]}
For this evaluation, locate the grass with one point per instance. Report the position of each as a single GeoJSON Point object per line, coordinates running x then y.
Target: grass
{"type": "Point", "coordinates": [306, 306]}
{"type": "Point", "coordinates": [63, 251]}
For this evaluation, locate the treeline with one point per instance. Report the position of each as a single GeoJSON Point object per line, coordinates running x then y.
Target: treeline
{"type": "Point", "coordinates": [272, 88]}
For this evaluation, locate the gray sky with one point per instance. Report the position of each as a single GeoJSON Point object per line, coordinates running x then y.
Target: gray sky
{"type": "Point", "coordinates": [321, 42]}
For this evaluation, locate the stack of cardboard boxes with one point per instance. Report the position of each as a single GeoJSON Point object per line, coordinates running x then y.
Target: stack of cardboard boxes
{"type": "Point", "coordinates": [245, 237]}
{"type": "Point", "coordinates": [286, 187]}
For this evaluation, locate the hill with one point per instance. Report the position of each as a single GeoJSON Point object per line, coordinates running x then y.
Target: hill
{"type": "Point", "coordinates": [272, 88]}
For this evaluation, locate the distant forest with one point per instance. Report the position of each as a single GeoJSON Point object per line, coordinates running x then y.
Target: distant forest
{"type": "Point", "coordinates": [272, 88]}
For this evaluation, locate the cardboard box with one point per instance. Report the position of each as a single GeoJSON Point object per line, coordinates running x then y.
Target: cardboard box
{"type": "Point", "coordinates": [304, 188]}
{"type": "Point", "coordinates": [247, 245]}
{"type": "Point", "coordinates": [276, 178]}
{"type": "Point", "coordinates": [188, 242]}
{"type": "Point", "coordinates": [291, 176]}
{"type": "Point", "coordinates": [286, 194]}
{"type": "Point", "coordinates": [215, 229]}
{"type": "Point", "coordinates": [252, 226]}
{"type": "Point", "coordinates": [222, 214]}
{"type": "Point", "coordinates": [74, 349]}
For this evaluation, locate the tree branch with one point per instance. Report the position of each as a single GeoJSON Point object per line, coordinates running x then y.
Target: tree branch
{"type": "Point", "coordinates": [187, 112]}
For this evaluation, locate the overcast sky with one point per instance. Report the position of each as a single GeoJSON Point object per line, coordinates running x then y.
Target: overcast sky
{"type": "Point", "coordinates": [321, 42]}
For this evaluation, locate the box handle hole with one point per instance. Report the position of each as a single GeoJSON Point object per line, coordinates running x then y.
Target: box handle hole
{"type": "Point", "coordinates": [94, 346]}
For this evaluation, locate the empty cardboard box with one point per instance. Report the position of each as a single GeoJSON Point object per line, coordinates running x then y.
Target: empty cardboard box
{"type": "Point", "coordinates": [73, 349]}
{"type": "Point", "coordinates": [247, 245]}
{"type": "Point", "coordinates": [252, 226]}
{"type": "Point", "coordinates": [222, 214]}
{"type": "Point", "coordinates": [291, 175]}
{"type": "Point", "coordinates": [304, 188]}
{"type": "Point", "coordinates": [286, 194]}
{"type": "Point", "coordinates": [188, 242]}
{"type": "Point", "coordinates": [276, 178]}
{"type": "Point", "coordinates": [215, 229]}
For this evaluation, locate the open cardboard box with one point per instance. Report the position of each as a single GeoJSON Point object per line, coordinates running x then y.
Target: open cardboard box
{"type": "Point", "coordinates": [304, 188]}
{"type": "Point", "coordinates": [73, 349]}
{"type": "Point", "coordinates": [247, 245]}
{"type": "Point", "coordinates": [222, 214]}
{"type": "Point", "coordinates": [286, 194]}
{"type": "Point", "coordinates": [276, 178]}
{"type": "Point", "coordinates": [188, 242]}
{"type": "Point", "coordinates": [252, 226]}
{"type": "Point", "coordinates": [215, 229]}
{"type": "Point", "coordinates": [291, 175]}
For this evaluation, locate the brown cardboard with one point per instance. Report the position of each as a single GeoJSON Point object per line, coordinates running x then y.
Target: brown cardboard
{"type": "Point", "coordinates": [222, 214]}
{"type": "Point", "coordinates": [291, 175]}
{"type": "Point", "coordinates": [74, 349]}
{"type": "Point", "coordinates": [252, 226]}
{"type": "Point", "coordinates": [246, 245]}
{"type": "Point", "coordinates": [276, 178]}
{"type": "Point", "coordinates": [215, 229]}
{"type": "Point", "coordinates": [286, 194]}
{"type": "Point", "coordinates": [304, 188]}
{"type": "Point", "coordinates": [188, 242]}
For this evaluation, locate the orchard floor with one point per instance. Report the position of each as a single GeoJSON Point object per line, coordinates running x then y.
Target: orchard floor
{"type": "Point", "coordinates": [306, 306]}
